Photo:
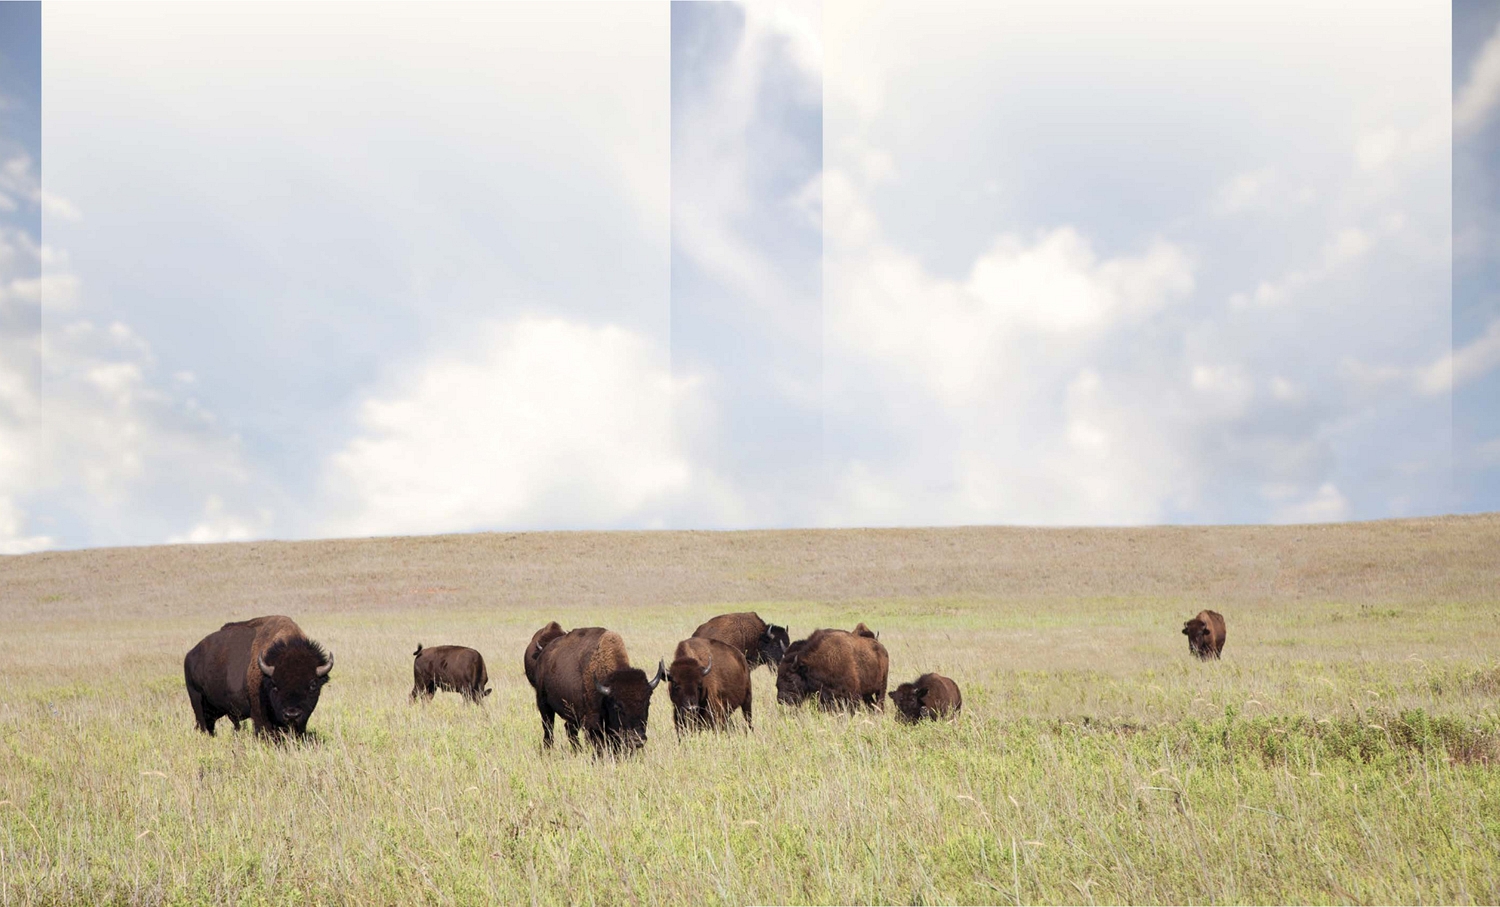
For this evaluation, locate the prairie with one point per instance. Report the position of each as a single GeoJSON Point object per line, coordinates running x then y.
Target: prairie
{"type": "Point", "coordinates": [1345, 750]}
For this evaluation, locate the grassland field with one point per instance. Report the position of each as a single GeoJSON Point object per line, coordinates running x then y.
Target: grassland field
{"type": "Point", "coordinates": [1345, 750]}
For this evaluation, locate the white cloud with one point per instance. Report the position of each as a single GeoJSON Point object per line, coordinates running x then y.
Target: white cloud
{"type": "Point", "coordinates": [543, 423]}
{"type": "Point", "coordinates": [218, 525]}
{"type": "Point", "coordinates": [1477, 98]}
{"type": "Point", "coordinates": [1246, 191]}
{"type": "Point", "coordinates": [1326, 505]}
{"type": "Point", "coordinates": [1471, 361]}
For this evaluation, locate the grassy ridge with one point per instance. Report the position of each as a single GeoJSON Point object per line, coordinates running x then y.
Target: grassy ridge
{"type": "Point", "coordinates": [1345, 750]}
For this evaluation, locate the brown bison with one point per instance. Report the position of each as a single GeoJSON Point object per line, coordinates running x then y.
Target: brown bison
{"type": "Point", "coordinates": [761, 643]}
{"type": "Point", "coordinates": [456, 668]}
{"type": "Point", "coordinates": [1205, 634]}
{"type": "Point", "coordinates": [585, 676]}
{"type": "Point", "coordinates": [840, 668]}
{"type": "Point", "coordinates": [264, 669]}
{"type": "Point", "coordinates": [791, 688]}
{"type": "Point", "coordinates": [929, 696]}
{"type": "Point", "coordinates": [707, 681]}
{"type": "Point", "coordinates": [539, 640]}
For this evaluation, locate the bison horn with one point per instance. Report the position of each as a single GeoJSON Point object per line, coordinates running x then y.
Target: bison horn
{"type": "Point", "coordinates": [265, 668]}
{"type": "Point", "coordinates": [708, 667]}
{"type": "Point", "coordinates": [322, 670]}
{"type": "Point", "coordinates": [661, 671]}
{"type": "Point", "coordinates": [603, 690]}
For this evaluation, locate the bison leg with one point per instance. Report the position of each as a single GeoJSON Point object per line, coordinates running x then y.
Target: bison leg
{"type": "Point", "coordinates": [202, 713]}
{"type": "Point", "coordinates": [745, 710]}
{"type": "Point", "coordinates": [548, 718]}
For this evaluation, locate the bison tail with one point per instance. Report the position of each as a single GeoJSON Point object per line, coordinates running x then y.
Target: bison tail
{"type": "Point", "coordinates": [418, 652]}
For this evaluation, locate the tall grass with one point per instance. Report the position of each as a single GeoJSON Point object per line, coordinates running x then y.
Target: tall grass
{"type": "Point", "coordinates": [1341, 752]}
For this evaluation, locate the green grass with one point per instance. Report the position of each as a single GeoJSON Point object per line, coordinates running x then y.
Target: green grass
{"type": "Point", "coordinates": [1343, 751]}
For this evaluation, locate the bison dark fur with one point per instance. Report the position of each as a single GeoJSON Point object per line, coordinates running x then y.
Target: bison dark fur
{"type": "Point", "coordinates": [761, 643]}
{"type": "Point", "coordinates": [265, 669]}
{"type": "Point", "coordinates": [791, 687]}
{"type": "Point", "coordinates": [456, 668]}
{"type": "Point", "coordinates": [585, 676]}
{"type": "Point", "coordinates": [539, 641]}
{"type": "Point", "coordinates": [840, 668]}
{"type": "Point", "coordinates": [929, 696]}
{"type": "Point", "coordinates": [1205, 634]}
{"type": "Point", "coordinates": [707, 681]}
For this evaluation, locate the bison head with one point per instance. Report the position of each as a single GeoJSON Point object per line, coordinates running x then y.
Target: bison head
{"type": "Point", "coordinates": [909, 700]}
{"type": "Point", "coordinates": [1200, 638]}
{"type": "Point", "coordinates": [294, 672]}
{"type": "Point", "coordinates": [791, 686]}
{"type": "Point", "coordinates": [773, 645]}
{"type": "Point", "coordinates": [627, 705]}
{"type": "Point", "coordinates": [685, 684]}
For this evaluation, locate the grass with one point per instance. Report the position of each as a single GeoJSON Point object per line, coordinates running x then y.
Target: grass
{"type": "Point", "coordinates": [1347, 748]}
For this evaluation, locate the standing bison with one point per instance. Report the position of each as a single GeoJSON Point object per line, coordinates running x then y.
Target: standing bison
{"type": "Point", "coordinates": [456, 668]}
{"type": "Point", "coordinates": [264, 669]}
{"type": "Point", "coordinates": [707, 681]}
{"type": "Point", "coordinates": [929, 696]}
{"type": "Point", "coordinates": [840, 668]}
{"type": "Point", "coordinates": [761, 643]}
{"type": "Point", "coordinates": [585, 676]}
{"type": "Point", "coordinates": [1205, 634]}
{"type": "Point", "coordinates": [539, 640]}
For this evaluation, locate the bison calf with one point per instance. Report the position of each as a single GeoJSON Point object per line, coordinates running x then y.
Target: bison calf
{"type": "Point", "coordinates": [585, 676]}
{"type": "Point", "coordinates": [1205, 634]}
{"type": "Point", "coordinates": [929, 696]}
{"type": "Point", "coordinates": [759, 642]}
{"type": "Point", "coordinates": [840, 668]}
{"type": "Point", "coordinates": [456, 668]}
{"type": "Point", "coordinates": [707, 681]}
{"type": "Point", "coordinates": [265, 669]}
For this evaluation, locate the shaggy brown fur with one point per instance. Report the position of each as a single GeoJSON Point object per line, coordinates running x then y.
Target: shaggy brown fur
{"type": "Point", "coordinates": [1205, 634]}
{"type": "Point", "coordinates": [759, 642]}
{"type": "Point", "coordinates": [585, 676]}
{"type": "Point", "coordinates": [842, 669]}
{"type": "Point", "coordinates": [929, 696]}
{"type": "Point", "coordinates": [791, 688]}
{"type": "Point", "coordinates": [456, 668]}
{"type": "Point", "coordinates": [539, 640]}
{"type": "Point", "coordinates": [707, 681]}
{"type": "Point", "coordinates": [225, 678]}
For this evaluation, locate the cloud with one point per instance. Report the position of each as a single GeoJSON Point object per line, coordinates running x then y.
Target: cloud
{"type": "Point", "coordinates": [1344, 248]}
{"type": "Point", "coordinates": [1467, 363]}
{"type": "Point", "coordinates": [1246, 191]}
{"type": "Point", "coordinates": [1477, 98]}
{"type": "Point", "coordinates": [542, 423]}
{"type": "Point", "coordinates": [1327, 505]}
{"type": "Point", "coordinates": [218, 525]}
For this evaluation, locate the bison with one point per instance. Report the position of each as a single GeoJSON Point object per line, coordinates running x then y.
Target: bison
{"type": "Point", "coordinates": [840, 668]}
{"type": "Point", "coordinates": [1205, 634]}
{"type": "Point", "coordinates": [929, 696]}
{"type": "Point", "coordinates": [456, 668]}
{"type": "Point", "coordinates": [761, 643]}
{"type": "Point", "coordinates": [585, 676]}
{"type": "Point", "coordinates": [707, 681]}
{"type": "Point", "coordinates": [539, 639]}
{"type": "Point", "coordinates": [264, 669]}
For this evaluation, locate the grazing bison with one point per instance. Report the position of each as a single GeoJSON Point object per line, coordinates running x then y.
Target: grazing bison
{"type": "Point", "coordinates": [264, 669]}
{"type": "Point", "coordinates": [761, 643]}
{"type": "Point", "coordinates": [840, 668]}
{"type": "Point", "coordinates": [585, 676]}
{"type": "Point", "coordinates": [1205, 634]}
{"type": "Point", "coordinates": [539, 640]}
{"type": "Point", "coordinates": [456, 668]}
{"type": "Point", "coordinates": [929, 696]}
{"type": "Point", "coordinates": [707, 681]}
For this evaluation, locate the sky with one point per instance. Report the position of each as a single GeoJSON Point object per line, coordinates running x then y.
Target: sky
{"type": "Point", "coordinates": [326, 270]}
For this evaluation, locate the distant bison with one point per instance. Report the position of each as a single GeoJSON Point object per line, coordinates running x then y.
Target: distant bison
{"type": "Point", "coordinates": [1205, 634]}
{"type": "Point", "coordinates": [456, 668]}
{"type": "Point", "coordinates": [539, 640]}
{"type": "Point", "coordinates": [840, 668]}
{"type": "Point", "coordinates": [929, 696]}
{"type": "Point", "coordinates": [761, 643]}
{"type": "Point", "coordinates": [585, 676]}
{"type": "Point", "coordinates": [707, 681]}
{"type": "Point", "coordinates": [264, 669]}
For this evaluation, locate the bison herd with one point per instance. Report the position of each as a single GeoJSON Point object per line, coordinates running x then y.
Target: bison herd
{"type": "Point", "coordinates": [268, 671]}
